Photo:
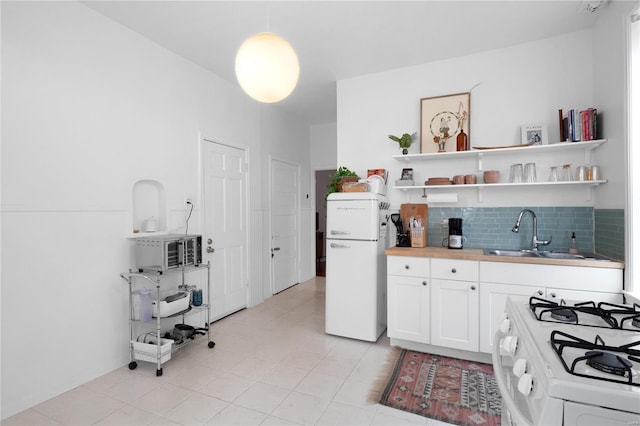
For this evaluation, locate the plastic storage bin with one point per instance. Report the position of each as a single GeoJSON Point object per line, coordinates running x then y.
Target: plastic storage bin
{"type": "Point", "coordinates": [149, 351]}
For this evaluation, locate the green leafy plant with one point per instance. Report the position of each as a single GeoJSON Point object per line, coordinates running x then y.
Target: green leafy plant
{"type": "Point", "coordinates": [336, 179]}
{"type": "Point", "coordinates": [405, 140]}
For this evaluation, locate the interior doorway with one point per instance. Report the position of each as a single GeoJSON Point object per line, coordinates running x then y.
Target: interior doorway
{"type": "Point", "coordinates": [322, 182]}
{"type": "Point", "coordinates": [285, 225]}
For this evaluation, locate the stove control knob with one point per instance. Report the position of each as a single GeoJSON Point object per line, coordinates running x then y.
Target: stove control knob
{"type": "Point", "coordinates": [510, 344]}
{"type": "Point", "coordinates": [505, 325]}
{"type": "Point", "coordinates": [525, 384]}
{"type": "Point", "coordinates": [520, 367]}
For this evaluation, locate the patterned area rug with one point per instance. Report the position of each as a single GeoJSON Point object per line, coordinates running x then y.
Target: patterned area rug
{"type": "Point", "coordinates": [448, 389]}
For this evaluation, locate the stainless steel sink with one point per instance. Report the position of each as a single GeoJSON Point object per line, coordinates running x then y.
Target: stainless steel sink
{"type": "Point", "coordinates": [511, 253]}
{"type": "Point", "coordinates": [544, 254]}
{"type": "Point", "coordinates": [561, 255]}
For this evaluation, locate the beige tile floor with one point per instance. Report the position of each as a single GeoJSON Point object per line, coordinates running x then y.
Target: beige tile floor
{"type": "Point", "coordinates": [272, 364]}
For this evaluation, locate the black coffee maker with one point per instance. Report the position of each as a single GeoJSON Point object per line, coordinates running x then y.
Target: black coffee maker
{"type": "Point", "coordinates": [402, 236]}
{"type": "Point", "coordinates": [455, 233]}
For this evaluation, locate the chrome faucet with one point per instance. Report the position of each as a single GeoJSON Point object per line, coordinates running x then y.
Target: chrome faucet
{"type": "Point", "coordinates": [535, 242]}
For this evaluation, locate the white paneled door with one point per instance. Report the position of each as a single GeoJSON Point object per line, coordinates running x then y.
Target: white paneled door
{"type": "Point", "coordinates": [285, 219]}
{"type": "Point", "coordinates": [225, 226]}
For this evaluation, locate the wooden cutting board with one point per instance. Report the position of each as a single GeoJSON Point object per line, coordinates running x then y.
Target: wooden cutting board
{"type": "Point", "coordinates": [418, 211]}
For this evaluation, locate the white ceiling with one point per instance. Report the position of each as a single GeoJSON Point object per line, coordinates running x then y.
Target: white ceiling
{"type": "Point", "coordinates": [335, 40]}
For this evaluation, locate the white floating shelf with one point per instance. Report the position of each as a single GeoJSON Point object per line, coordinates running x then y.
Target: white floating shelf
{"type": "Point", "coordinates": [479, 153]}
{"type": "Point", "coordinates": [502, 185]}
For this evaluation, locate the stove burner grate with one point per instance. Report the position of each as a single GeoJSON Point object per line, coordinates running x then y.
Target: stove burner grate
{"type": "Point", "coordinates": [608, 359]}
{"type": "Point", "coordinates": [580, 313]}
{"type": "Point", "coordinates": [609, 363]}
{"type": "Point", "coordinates": [630, 314]}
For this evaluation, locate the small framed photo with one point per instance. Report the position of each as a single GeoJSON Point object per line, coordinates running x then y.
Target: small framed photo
{"type": "Point", "coordinates": [533, 134]}
{"type": "Point", "coordinates": [407, 174]}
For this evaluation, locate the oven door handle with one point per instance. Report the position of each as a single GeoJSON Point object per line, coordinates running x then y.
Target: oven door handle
{"type": "Point", "coordinates": [508, 404]}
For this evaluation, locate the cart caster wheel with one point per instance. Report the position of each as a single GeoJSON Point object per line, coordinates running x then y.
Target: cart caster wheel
{"type": "Point", "coordinates": [159, 372]}
{"type": "Point", "coordinates": [133, 365]}
{"type": "Point", "coordinates": [211, 345]}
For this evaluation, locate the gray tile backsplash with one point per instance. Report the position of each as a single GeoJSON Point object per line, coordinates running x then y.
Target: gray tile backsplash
{"type": "Point", "coordinates": [609, 232]}
{"type": "Point", "coordinates": [491, 227]}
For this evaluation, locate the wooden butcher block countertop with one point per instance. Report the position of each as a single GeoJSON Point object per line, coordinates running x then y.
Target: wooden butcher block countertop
{"type": "Point", "coordinates": [477, 254]}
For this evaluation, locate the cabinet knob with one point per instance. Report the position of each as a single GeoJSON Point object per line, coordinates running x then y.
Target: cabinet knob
{"type": "Point", "coordinates": [540, 292]}
{"type": "Point", "coordinates": [424, 283]}
{"type": "Point", "coordinates": [473, 287]}
{"type": "Point", "coordinates": [553, 295]}
{"type": "Point", "coordinates": [406, 266]}
{"type": "Point", "coordinates": [453, 270]}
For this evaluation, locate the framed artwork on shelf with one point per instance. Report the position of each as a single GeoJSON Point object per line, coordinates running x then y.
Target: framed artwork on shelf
{"type": "Point", "coordinates": [533, 134]}
{"type": "Point", "coordinates": [441, 120]}
{"type": "Point", "coordinates": [407, 174]}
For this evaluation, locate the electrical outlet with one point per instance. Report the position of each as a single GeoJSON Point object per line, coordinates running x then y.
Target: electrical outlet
{"type": "Point", "coordinates": [445, 223]}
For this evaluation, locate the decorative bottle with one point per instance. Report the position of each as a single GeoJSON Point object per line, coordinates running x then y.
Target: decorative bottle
{"type": "Point", "coordinates": [462, 141]}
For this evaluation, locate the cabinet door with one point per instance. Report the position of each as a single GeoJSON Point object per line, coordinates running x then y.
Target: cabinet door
{"type": "Point", "coordinates": [493, 298]}
{"type": "Point", "coordinates": [408, 308]}
{"type": "Point", "coordinates": [454, 314]}
{"type": "Point", "coordinates": [578, 295]}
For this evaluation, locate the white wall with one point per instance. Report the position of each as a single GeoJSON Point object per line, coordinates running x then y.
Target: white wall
{"type": "Point", "coordinates": [88, 109]}
{"type": "Point", "coordinates": [610, 89]}
{"type": "Point", "coordinates": [324, 145]}
{"type": "Point", "coordinates": [518, 85]}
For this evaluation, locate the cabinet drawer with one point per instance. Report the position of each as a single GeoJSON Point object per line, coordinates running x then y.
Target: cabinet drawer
{"type": "Point", "coordinates": [581, 278]}
{"type": "Point", "coordinates": [408, 266]}
{"type": "Point", "coordinates": [455, 269]}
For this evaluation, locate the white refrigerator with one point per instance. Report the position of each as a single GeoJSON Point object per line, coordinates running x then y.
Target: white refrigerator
{"type": "Point", "coordinates": [356, 282]}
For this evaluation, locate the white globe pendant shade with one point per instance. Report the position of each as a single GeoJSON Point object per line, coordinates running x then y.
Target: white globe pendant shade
{"type": "Point", "coordinates": [267, 67]}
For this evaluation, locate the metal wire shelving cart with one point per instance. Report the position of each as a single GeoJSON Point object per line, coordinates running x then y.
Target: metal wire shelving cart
{"type": "Point", "coordinates": [158, 348]}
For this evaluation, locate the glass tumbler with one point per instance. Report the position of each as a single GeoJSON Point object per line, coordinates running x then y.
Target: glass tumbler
{"type": "Point", "coordinates": [515, 174]}
{"type": "Point", "coordinates": [530, 173]}
{"type": "Point", "coordinates": [566, 174]}
{"type": "Point", "coordinates": [553, 174]}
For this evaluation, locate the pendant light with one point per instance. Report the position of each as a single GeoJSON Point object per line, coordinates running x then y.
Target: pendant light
{"type": "Point", "coordinates": [267, 67]}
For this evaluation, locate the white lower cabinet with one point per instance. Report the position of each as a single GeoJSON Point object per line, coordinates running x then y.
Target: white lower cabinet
{"type": "Point", "coordinates": [500, 280]}
{"type": "Point", "coordinates": [493, 298]}
{"type": "Point", "coordinates": [454, 314]}
{"type": "Point", "coordinates": [408, 301]}
{"type": "Point", "coordinates": [458, 304]}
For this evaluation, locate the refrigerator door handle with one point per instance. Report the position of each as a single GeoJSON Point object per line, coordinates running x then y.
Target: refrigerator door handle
{"type": "Point", "coordinates": [334, 232]}
{"type": "Point", "coordinates": [336, 245]}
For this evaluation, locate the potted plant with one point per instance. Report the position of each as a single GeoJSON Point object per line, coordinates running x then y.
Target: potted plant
{"type": "Point", "coordinates": [341, 175]}
{"type": "Point", "coordinates": [404, 141]}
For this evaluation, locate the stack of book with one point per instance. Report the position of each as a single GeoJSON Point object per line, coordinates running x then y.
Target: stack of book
{"type": "Point", "coordinates": [578, 125]}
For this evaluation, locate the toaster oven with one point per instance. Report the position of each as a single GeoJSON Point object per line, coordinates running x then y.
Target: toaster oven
{"type": "Point", "coordinates": [167, 252]}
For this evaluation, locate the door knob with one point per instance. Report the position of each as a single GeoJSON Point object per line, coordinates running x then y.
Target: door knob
{"type": "Point", "coordinates": [209, 241]}
{"type": "Point", "coordinates": [210, 249]}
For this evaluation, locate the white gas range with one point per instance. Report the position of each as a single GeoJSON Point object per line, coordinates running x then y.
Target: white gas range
{"type": "Point", "coordinates": [568, 363]}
